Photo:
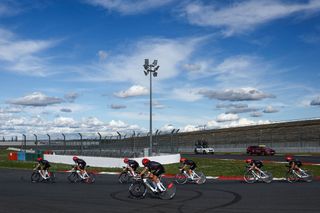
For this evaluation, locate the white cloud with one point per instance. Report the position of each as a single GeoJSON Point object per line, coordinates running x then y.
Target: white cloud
{"type": "Point", "coordinates": [192, 67]}
{"type": "Point", "coordinates": [36, 99]}
{"type": "Point", "coordinates": [102, 55]}
{"type": "Point", "coordinates": [128, 66]}
{"type": "Point", "coordinates": [71, 96]}
{"type": "Point", "coordinates": [227, 117]}
{"type": "Point", "coordinates": [242, 94]}
{"type": "Point", "coordinates": [65, 122]}
{"type": "Point", "coordinates": [270, 109]}
{"type": "Point", "coordinates": [117, 106]}
{"type": "Point", "coordinates": [129, 7]}
{"type": "Point", "coordinates": [21, 56]}
{"type": "Point", "coordinates": [186, 94]}
{"type": "Point", "coordinates": [135, 90]}
{"type": "Point", "coordinates": [242, 16]}
{"type": "Point", "coordinates": [256, 114]}
{"type": "Point", "coordinates": [315, 101]}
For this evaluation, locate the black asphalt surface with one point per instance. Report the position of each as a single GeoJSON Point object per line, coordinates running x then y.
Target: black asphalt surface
{"type": "Point", "coordinates": [278, 158]}
{"type": "Point", "coordinates": [19, 195]}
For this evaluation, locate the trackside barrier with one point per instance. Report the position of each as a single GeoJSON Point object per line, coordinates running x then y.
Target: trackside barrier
{"type": "Point", "coordinates": [110, 162]}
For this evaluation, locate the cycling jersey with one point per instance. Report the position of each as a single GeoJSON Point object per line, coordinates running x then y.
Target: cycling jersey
{"type": "Point", "coordinates": [133, 164]}
{"type": "Point", "coordinates": [81, 163]}
{"type": "Point", "coordinates": [190, 163]}
{"type": "Point", "coordinates": [257, 163]}
{"type": "Point", "coordinates": [296, 162]}
{"type": "Point", "coordinates": [44, 164]}
{"type": "Point", "coordinates": [155, 168]}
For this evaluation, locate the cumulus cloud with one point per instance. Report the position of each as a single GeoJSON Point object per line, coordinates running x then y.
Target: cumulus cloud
{"type": "Point", "coordinates": [256, 114]}
{"type": "Point", "coordinates": [315, 101]}
{"type": "Point", "coordinates": [270, 109]}
{"type": "Point", "coordinates": [227, 117]}
{"type": "Point", "coordinates": [232, 105]}
{"type": "Point", "coordinates": [129, 7]}
{"type": "Point", "coordinates": [135, 90]}
{"type": "Point", "coordinates": [102, 55]}
{"type": "Point", "coordinates": [117, 106]}
{"type": "Point", "coordinates": [66, 110]}
{"type": "Point", "coordinates": [65, 122]}
{"type": "Point", "coordinates": [71, 97]}
{"type": "Point", "coordinates": [186, 94]}
{"type": "Point", "coordinates": [242, 94]}
{"type": "Point", "coordinates": [241, 16]}
{"type": "Point", "coordinates": [36, 99]}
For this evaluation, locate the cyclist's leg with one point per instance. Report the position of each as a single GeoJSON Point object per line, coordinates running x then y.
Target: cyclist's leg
{"type": "Point", "coordinates": [157, 174]}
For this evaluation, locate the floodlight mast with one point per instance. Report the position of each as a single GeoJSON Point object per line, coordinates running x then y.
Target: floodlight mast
{"type": "Point", "coordinates": [152, 70]}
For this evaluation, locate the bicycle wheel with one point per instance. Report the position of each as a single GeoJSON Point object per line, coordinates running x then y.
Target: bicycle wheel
{"type": "Point", "coordinates": [266, 177]}
{"type": "Point", "coordinates": [52, 177]}
{"type": "Point", "coordinates": [291, 177]}
{"type": "Point", "coordinates": [181, 178]}
{"type": "Point", "coordinates": [91, 178]}
{"type": "Point", "coordinates": [201, 179]}
{"type": "Point", "coordinates": [249, 177]}
{"type": "Point", "coordinates": [73, 177]}
{"type": "Point", "coordinates": [169, 193]}
{"type": "Point", "coordinates": [123, 177]}
{"type": "Point", "coordinates": [138, 189]}
{"type": "Point", "coordinates": [307, 176]}
{"type": "Point", "coordinates": [35, 177]}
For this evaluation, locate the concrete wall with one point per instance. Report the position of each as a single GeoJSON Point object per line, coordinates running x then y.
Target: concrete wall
{"type": "Point", "coordinates": [110, 162]}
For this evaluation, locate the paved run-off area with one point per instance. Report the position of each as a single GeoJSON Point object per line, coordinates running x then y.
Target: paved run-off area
{"type": "Point", "coordinates": [19, 195]}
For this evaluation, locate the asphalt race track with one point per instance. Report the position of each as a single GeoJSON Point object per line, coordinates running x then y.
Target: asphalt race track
{"type": "Point", "coordinates": [308, 159]}
{"type": "Point", "coordinates": [19, 195]}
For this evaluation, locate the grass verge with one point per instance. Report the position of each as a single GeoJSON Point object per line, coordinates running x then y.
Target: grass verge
{"type": "Point", "coordinates": [210, 167]}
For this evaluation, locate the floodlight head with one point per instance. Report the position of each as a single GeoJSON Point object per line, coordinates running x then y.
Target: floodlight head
{"type": "Point", "coordinates": [155, 62]}
{"type": "Point", "coordinates": [155, 74]}
{"type": "Point", "coordinates": [157, 67]}
{"type": "Point", "coordinates": [146, 62]}
{"type": "Point", "coordinates": [145, 72]}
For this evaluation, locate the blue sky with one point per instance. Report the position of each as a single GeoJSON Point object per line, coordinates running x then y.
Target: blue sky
{"type": "Point", "coordinates": [76, 66]}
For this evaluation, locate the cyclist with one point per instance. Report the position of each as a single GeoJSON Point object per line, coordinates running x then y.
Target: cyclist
{"type": "Point", "coordinates": [187, 165]}
{"type": "Point", "coordinates": [153, 170]}
{"type": "Point", "coordinates": [293, 163]}
{"type": "Point", "coordinates": [80, 165]}
{"type": "Point", "coordinates": [254, 164]}
{"type": "Point", "coordinates": [43, 165]}
{"type": "Point", "coordinates": [132, 165]}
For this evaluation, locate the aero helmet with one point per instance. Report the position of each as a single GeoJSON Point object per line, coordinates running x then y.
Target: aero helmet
{"type": "Point", "coordinates": [145, 161]}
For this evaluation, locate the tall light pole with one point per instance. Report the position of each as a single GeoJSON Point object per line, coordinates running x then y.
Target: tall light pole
{"type": "Point", "coordinates": [152, 70]}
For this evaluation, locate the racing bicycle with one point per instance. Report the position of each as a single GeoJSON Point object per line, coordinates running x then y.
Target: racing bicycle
{"type": "Point", "coordinates": [195, 177]}
{"type": "Point", "coordinates": [251, 176]}
{"type": "Point", "coordinates": [294, 175]}
{"type": "Point", "coordinates": [126, 176]}
{"type": "Point", "coordinates": [37, 176]}
{"type": "Point", "coordinates": [75, 176]}
{"type": "Point", "coordinates": [141, 185]}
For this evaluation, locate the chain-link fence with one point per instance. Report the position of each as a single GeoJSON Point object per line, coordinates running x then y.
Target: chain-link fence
{"type": "Point", "coordinates": [300, 136]}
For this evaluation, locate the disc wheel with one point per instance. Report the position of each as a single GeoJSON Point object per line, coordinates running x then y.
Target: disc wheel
{"type": "Point", "coordinates": [138, 189]}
